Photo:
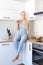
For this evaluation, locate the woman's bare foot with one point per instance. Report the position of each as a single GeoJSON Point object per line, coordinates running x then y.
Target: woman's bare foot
{"type": "Point", "coordinates": [16, 57]}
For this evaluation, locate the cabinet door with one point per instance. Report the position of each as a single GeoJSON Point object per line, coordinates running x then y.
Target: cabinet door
{"type": "Point", "coordinates": [38, 5]}
{"type": "Point", "coordinates": [28, 55]}
{"type": "Point", "coordinates": [9, 14]}
{"type": "Point", "coordinates": [7, 53]}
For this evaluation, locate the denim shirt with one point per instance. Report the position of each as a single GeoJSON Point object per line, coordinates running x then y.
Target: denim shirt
{"type": "Point", "coordinates": [21, 30]}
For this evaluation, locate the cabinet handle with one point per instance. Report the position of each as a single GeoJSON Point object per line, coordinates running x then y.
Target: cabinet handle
{"type": "Point", "coordinates": [29, 47]}
{"type": "Point", "coordinates": [5, 44]}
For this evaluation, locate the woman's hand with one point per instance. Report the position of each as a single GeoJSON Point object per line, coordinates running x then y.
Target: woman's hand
{"type": "Point", "coordinates": [17, 21]}
{"type": "Point", "coordinates": [17, 24]}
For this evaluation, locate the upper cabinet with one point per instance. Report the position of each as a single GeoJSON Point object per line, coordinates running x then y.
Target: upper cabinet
{"type": "Point", "coordinates": [10, 9]}
{"type": "Point", "coordinates": [38, 5]}
{"type": "Point", "coordinates": [38, 9]}
{"type": "Point", "coordinates": [30, 8]}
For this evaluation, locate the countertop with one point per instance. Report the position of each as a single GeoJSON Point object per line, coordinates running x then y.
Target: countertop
{"type": "Point", "coordinates": [3, 41]}
{"type": "Point", "coordinates": [34, 41]}
{"type": "Point", "coordinates": [30, 40]}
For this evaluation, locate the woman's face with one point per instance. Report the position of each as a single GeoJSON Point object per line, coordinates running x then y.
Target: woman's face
{"type": "Point", "coordinates": [23, 15]}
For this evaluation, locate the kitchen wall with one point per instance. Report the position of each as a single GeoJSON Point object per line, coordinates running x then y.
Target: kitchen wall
{"type": "Point", "coordinates": [4, 24]}
{"type": "Point", "coordinates": [38, 25]}
{"type": "Point", "coordinates": [11, 9]}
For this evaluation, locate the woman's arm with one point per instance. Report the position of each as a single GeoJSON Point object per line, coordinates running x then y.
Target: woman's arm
{"type": "Point", "coordinates": [17, 24]}
{"type": "Point", "coordinates": [27, 29]}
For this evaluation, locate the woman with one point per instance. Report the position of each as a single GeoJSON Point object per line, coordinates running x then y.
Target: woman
{"type": "Point", "coordinates": [21, 36]}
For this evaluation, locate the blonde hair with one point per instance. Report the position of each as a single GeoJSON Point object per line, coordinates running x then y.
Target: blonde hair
{"type": "Point", "coordinates": [23, 12]}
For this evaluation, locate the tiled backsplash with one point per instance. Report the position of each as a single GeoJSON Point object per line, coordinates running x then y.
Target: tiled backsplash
{"type": "Point", "coordinates": [12, 26]}
{"type": "Point", "coordinates": [3, 28]}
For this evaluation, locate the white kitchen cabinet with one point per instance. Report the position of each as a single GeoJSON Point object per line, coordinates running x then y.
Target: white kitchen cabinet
{"type": "Point", "coordinates": [9, 14]}
{"type": "Point", "coordinates": [7, 53]}
{"type": "Point", "coordinates": [30, 8]}
{"type": "Point", "coordinates": [27, 57]}
{"type": "Point", "coordinates": [11, 9]}
{"type": "Point", "coordinates": [42, 5]}
{"type": "Point", "coordinates": [38, 5]}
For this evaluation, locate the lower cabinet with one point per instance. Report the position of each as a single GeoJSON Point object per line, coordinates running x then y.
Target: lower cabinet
{"type": "Point", "coordinates": [7, 53]}
{"type": "Point", "coordinates": [27, 56]}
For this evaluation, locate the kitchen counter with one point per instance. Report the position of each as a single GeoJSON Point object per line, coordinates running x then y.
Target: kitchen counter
{"type": "Point", "coordinates": [30, 40]}
{"type": "Point", "coordinates": [35, 42]}
{"type": "Point", "coordinates": [3, 41]}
